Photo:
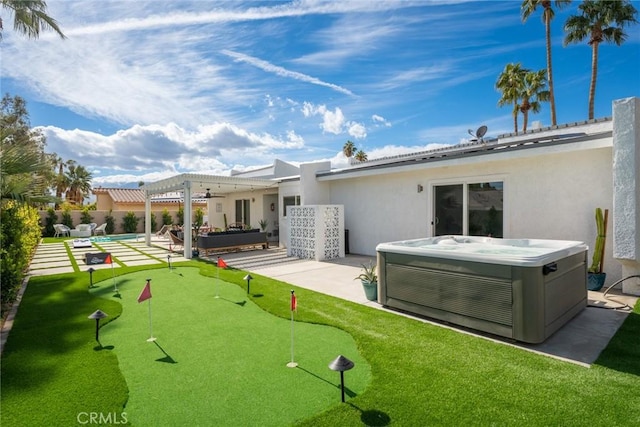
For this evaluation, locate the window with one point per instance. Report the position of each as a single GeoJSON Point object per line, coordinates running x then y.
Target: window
{"type": "Point", "coordinates": [290, 201]}
{"type": "Point", "coordinates": [242, 211]}
{"type": "Point", "coordinates": [473, 209]}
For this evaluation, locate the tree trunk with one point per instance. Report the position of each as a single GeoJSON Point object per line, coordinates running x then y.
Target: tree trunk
{"type": "Point", "coordinates": [552, 99]}
{"type": "Point", "coordinates": [594, 76]}
{"type": "Point", "coordinates": [515, 118]}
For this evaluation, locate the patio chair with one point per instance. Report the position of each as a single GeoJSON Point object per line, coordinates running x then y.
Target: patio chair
{"type": "Point", "coordinates": [61, 230]}
{"type": "Point", "coordinates": [175, 241]}
{"type": "Point", "coordinates": [101, 229]}
{"type": "Point", "coordinates": [163, 231]}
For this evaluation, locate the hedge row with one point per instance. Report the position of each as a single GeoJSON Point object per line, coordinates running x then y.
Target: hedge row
{"type": "Point", "coordinates": [19, 237]}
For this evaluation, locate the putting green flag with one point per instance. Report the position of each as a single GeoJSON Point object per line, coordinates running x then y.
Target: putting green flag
{"type": "Point", "coordinates": [294, 301]}
{"type": "Point", "coordinates": [146, 292]}
{"type": "Point", "coordinates": [221, 263]}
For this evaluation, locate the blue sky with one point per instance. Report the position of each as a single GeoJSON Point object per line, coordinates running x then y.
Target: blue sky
{"type": "Point", "coordinates": [145, 90]}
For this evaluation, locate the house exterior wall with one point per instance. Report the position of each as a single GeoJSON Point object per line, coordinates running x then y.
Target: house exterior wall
{"type": "Point", "coordinates": [548, 194]}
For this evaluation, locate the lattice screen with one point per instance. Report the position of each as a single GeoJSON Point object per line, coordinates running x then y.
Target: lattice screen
{"type": "Point", "coordinates": [316, 231]}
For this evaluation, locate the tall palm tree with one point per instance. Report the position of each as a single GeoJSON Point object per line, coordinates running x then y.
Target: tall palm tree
{"type": "Point", "coordinates": [361, 156]}
{"type": "Point", "coordinates": [599, 21]}
{"type": "Point", "coordinates": [349, 149]}
{"type": "Point", "coordinates": [534, 90]}
{"type": "Point", "coordinates": [79, 183]}
{"type": "Point", "coordinates": [527, 8]}
{"type": "Point", "coordinates": [510, 83]}
{"type": "Point", "coordinates": [30, 17]}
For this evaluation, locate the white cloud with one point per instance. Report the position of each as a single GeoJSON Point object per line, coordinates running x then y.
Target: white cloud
{"type": "Point", "coordinates": [379, 120]}
{"type": "Point", "coordinates": [280, 71]}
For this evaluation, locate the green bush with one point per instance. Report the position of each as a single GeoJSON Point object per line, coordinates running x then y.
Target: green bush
{"type": "Point", "coordinates": [180, 215]}
{"type": "Point", "coordinates": [66, 217]}
{"type": "Point", "coordinates": [154, 223]}
{"type": "Point", "coordinates": [85, 216]}
{"type": "Point", "coordinates": [130, 222]}
{"type": "Point", "coordinates": [167, 219]}
{"type": "Point", "coordinates": [111, 223]}
{"type": "Point", "coordinates": [52, 218]}
{"type": "Point", "coordinates": [19, 236]}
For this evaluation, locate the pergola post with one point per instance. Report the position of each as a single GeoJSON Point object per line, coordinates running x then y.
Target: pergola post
{"type": "Point", "coordinates": [147, 218]}
{"type": "Point", "coordinates": [187, 220]}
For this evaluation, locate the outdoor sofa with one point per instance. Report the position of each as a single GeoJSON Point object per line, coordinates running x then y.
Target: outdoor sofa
{"type": "Point", "coordinates": [232, 239]}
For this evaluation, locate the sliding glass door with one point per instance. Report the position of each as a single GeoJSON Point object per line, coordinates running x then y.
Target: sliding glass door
{"type": "Point", "coordinates": [473, 209]}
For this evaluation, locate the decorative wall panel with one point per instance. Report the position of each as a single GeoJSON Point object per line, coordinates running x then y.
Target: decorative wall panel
{"type": "Point", "coordinates": [316, 231]}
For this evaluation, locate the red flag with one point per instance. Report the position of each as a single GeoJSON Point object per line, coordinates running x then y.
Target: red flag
{"type": "Point", "coordinates": [107, 260]}
{"type": "Point", "coordinates": [146, 293]}
{"type": "Point", "coordinates": [221, 263]}
{"type": "Point", "coordinates": [294, 302]}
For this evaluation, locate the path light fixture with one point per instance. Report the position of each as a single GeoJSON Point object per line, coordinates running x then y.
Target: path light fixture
{"type": "Point", "coordinates": [248, 279]}
{"type": "Point", "coordinates": [98, 314]}
{"type": "Point", "coordinates": [169, 258]}
{"type": "Point", "coordinates": [341, 364]}
{"type": "Point", "coordinates": [91, 270]}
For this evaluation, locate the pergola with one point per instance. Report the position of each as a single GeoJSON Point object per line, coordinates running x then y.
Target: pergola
{"type": "Point", "coordinates": [186, 183]}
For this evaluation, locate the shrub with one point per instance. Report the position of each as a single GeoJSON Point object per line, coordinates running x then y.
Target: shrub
{"type": "Point", "coordinates": [52, 218]}
{"type": "Point", "coordinates": [19, 236]}
{"type": "Point", "coordinates": [154, 223]}
{"type": "Point", "coordinates": [180, 215]}
{"type": "Point", "coordinates": [111, 223]}
{"type": "Point", "coordinates": [167, 219]}
{"type": "Point", "coordinates": [130, 222]}
{"type": "Point", "coordinates": [66, 217]}
{"type": "Point", "coordinates": [85, 216]}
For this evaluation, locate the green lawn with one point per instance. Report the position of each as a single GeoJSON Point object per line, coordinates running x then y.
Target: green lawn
{"type": "Point", "coordinates": [420, 374]}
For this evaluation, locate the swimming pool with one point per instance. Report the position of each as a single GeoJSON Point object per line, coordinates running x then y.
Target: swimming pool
{"type": "Point", "coordinates": [117, 237]}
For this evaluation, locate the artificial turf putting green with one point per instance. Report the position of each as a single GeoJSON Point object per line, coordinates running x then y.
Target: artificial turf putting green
{"type": "Point", "coordinates": [220, 361]}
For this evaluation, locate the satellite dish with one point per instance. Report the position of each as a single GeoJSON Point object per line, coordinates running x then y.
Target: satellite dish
{"type": "Point", "coordinates": [478, 134]}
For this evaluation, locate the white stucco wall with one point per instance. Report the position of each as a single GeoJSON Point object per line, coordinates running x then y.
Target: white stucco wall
{"type": "Point", "coordinates": [548, 194]}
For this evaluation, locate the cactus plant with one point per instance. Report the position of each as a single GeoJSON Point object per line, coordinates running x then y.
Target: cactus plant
{"type": "Point", "coordinates": [601, 236]}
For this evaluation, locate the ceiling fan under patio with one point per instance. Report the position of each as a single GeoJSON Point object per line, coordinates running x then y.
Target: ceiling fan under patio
{"type": "Point", "coordinates": [208, 195]}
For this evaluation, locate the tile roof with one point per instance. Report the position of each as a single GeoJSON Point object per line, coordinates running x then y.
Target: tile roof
{"type": "Point", "coordinates": [136, 195]}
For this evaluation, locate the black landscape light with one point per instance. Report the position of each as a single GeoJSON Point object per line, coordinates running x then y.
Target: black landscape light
{"type": "Point", "coordinates": [341, 364]}
{"type": "Point", "coordinates": [169, 259]}
{"type": "Point", "coordinates": [91, 270]}
{"type": "Point", "coordinates": [98, 314]}
{"type": "Point", "coordinates": [248, 279]}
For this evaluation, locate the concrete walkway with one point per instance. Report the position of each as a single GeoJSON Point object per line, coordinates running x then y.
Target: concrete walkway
{"type": "Point", "coordinates": [580, 341]}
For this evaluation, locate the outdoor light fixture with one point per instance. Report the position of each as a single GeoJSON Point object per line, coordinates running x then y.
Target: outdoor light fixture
{"type": "Point", "coordinates": [420, 188]}
{"type": "Point", "coordinates": [91, 270]}
{"type": "Point", "coordinates": [248, 279]}
{"type": "Point", "coordinates": [208, 195]}
{"type": "Point", "coordinates": [341, 364]}
{"type": "Point", "coordinates": [98, 314]}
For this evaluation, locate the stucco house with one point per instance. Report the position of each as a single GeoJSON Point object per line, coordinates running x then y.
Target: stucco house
{"type": "Point", "coordinates": [542, 184]}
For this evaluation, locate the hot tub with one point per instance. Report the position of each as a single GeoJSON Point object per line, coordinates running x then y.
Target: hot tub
{"type": "Point", "coordinates": [524, 289]}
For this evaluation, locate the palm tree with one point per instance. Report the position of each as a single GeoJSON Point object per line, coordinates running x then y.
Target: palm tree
{"type": "Point", "coordinates": [510, 84]}
{"type": "Point", "coordinates": [79, 183]}
{"type": "Point", "coordinates": [599, 21]}
{"type": "Point", "coordinates": [361, 156]}
{"type": "Point", "coordinates": [527, 8]}
{"type": "Point", "coordinates": [349, 149]}
{"type": "Point", "coordinates": [30, 17]}
{"type": "Point", "coordinates": [533, 91]}
{"type": "Point", "coordinates": [21, 171]}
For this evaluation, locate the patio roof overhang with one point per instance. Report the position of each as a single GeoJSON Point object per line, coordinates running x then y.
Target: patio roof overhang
{"type": "Point", "coordinates": [217, 184]}
{"type": "Point", "coordinates": [189, 182]}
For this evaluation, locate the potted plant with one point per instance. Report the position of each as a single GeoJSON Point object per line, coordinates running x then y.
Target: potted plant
{"type": "Point", "coordinates": [369, 279]}
{"type": "Point", "coordinates": [263, 224]}
{"type": "Point", "coordinates": [595, 275]}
